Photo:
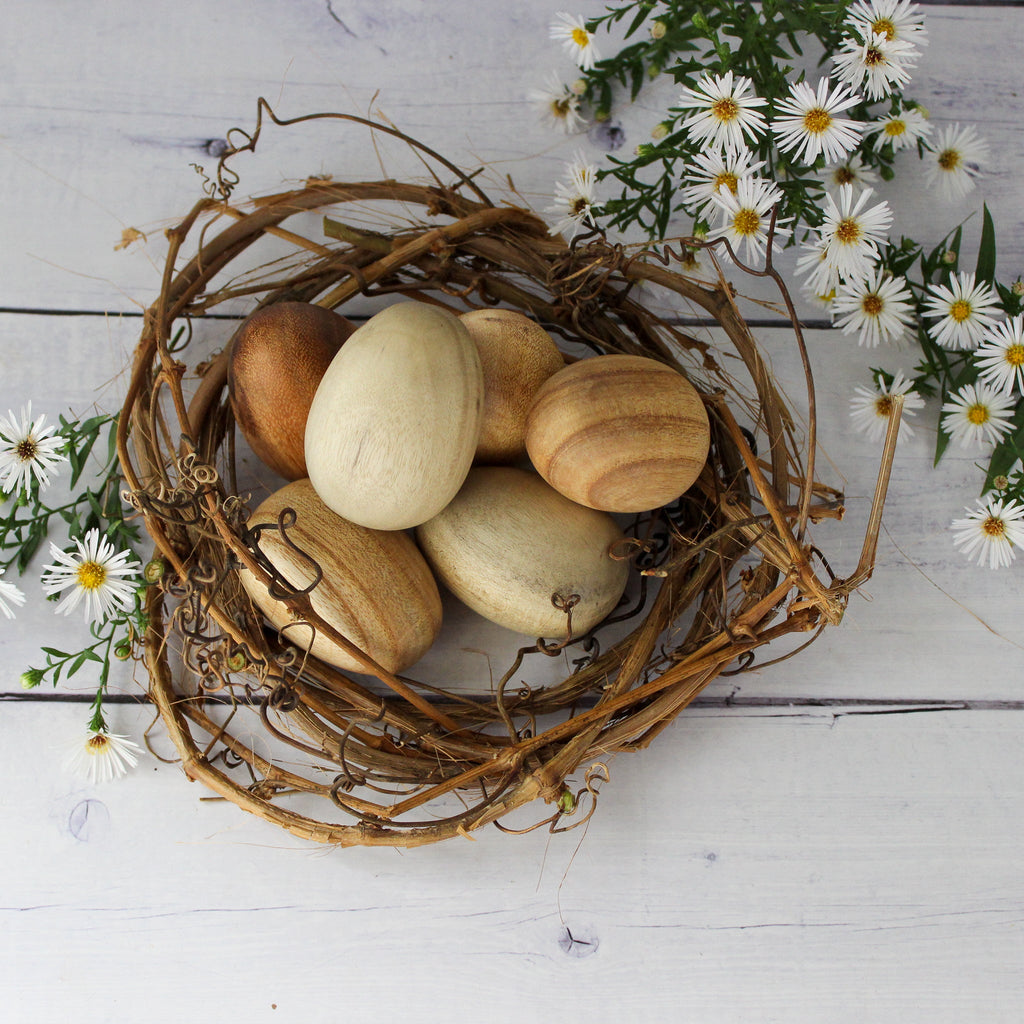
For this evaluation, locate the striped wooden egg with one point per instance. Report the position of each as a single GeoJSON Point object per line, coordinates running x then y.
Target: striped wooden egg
{"type": "Point", "coordinates": [619, 433]}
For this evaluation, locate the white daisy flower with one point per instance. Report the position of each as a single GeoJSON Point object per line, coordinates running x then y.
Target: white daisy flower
{"type": "Point", "coordinates": [894, 19]}
{"type": "Point", "coordinates": [715, 169]}
{"type": "Point", "coordinates": [746, 216]}
{"type": "Point", "coordinates": [1000, 356]}
{"type": "Point", "coordinates": [29, 451]}
{"type": "Point", "coordinates": [807, 123]}
{"type": "Point", "coordinates": [954, 163]}
{"type": "Point", "coordinates": [901, 130]}
{"type": "Point", "coordinates": [878, 63]}
{"type": "Point", "coordinates": [853, 171]}
{"type": "Point", "coordinates": [95, 573]}
{"type": "Point", "coordinates": [870, 409]}
{"type": "Point", "coordinates": [852, 233]}
{"type": "Point", "coordinates": [558, 105]}
{"type": "Point", "coordinates": [991, 531]}
{"type": "Point", "coordinates": [572, 33]}
{"type": "Point", "coordinates": [880, 307]}
{"type": "Point", "coordinates": [822, 275]}
{"type": "Point", "coordinates": [978, 414]}
{"type": "Point", "coordinates": [724, 112]}
{"type": "Point", "coordinates": [964, 311]}
{"type": "Point", "coordinates": [102, 756]}
{"type": "Point", "coordinates": [9, 594]}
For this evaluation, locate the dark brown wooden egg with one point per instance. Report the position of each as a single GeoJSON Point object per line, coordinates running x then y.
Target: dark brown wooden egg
{"type": "Point", "coordinates": [278, 356]}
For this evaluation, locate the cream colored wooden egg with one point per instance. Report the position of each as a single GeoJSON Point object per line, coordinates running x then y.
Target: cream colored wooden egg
{"type": "Point", "coordinates": [620, 433]}
{"type": "Point", "coordinates": [376, 590]}
{"type": "Point", "coordinates": [394, 424]}
{"type": "Point", "coordinates": [517, 355]}
{"type": "Point", "coordinates": [509, 542]}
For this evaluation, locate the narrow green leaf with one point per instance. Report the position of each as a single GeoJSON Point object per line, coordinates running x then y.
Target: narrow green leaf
{"type": "Point", "coordinates": [986, 267]}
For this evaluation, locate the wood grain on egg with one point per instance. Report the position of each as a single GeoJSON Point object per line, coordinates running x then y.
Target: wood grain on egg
{"type": "Point", "coordinates": [620, 433]}
{"type": "Point", "coordinates": [394, 424]}
{"type": "Point", "coordinates": [278, 356]}
{"type": "Point", "coordinates": [517, 355]}
{"type": "Point", "coordinates": [508, 543]}
{"type": "Point", "coordinates": [376, 589]}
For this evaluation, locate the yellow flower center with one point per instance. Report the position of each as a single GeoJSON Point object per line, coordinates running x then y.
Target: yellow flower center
{"type": "Point", "coordinates": [1015, 355]}
{"type": "Point", "coordinates": [993, 527]}
{"type": "Point", "coordinates": [560, 107]}
{"type": "Point", "coordinates": [873, 57]}
{"type": "Point", "coordinates": [91, 575]}
{"type": "Point", "coordinates": [871, 304]}
{"type": "Point", "coordinates": [848, 232]}
{"type": "Point", "coordinates": [960, 310]}
{"type": "Point", "coordinates": [883, 405]}
{"type": "Point", "coordinates": [895, 128]}
{"type": "Point", "coordinates": [883, 27]}
{"type": "Point", "coordinates": [950, 160]}
{"type": "Point", "coordinates": [97, 744]}
{"type": "Point", "coordinates": [746, 222]}
{"type": "Point", "coordinates": [728, 179]}
{"type": "Point", "coordinates": [725, 109]}
{"type": "Point", "coordinates": [26, 450]}
{"type": "Point", "coordinates": [581, 37]}
{"type": "Point", "coordinates": [977, 414]}
{"type": "Point", "coordinates": [817, 120]}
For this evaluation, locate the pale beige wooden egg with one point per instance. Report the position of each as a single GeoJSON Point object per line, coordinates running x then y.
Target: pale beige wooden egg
{"type": "Point", "coordinates": [278, 356]}
{"type": "Point", "coordinates": [376, 589]}
{"type": "Point", "coordinates": [508, 543]}
{"type": "Point", "coordinates": [517, 355]}
{"type": "Point", "coordinates": [620, 433]}
{"type": "Point", "coordinates": [394, 424]}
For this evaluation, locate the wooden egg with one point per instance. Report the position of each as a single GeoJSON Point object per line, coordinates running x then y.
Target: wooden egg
{"type": "Point", "coordinates": [618, 432]}
{"type": "Point", "coordinates": [517, 356]}
{"type": "Point", "coordinates": [376, 589]}
{"type": "Point", "coordinates": [394, 424]}
{"type": "Point", "coordinates": [278, 356]}
{"type": "Point", "coordinates": [509, 542]}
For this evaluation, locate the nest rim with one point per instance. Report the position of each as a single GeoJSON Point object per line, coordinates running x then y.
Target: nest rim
{"type": "Point", "coordinates": [478, 253]}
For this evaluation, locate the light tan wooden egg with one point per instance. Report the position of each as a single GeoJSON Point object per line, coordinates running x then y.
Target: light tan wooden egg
{"type": "Point", "coordinates": [509, 542]}
{"type": "Point", "coordinates": [376, 590]}
{"type": "Point", "coordinates": [278, 357]}
{"type": "Point", "coordinates": [393, 427]}
{"type": "Point", "coordinates": [517, 355]}
{"type": "Point", "coordinates": [620, 433]}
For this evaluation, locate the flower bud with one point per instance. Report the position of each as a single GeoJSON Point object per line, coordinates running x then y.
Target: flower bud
{"type": "Point", "coordinates": [31, 679]}
{"type": "Point", "coordinates": [659, 131]}
{"type": "Point", "coordinates": [123, 651]}
{"type": "Point", "coordinates": [566, 801]}
{"type": "Point", "coordinates": [658, 30]}
{"type": "Point", "coordinates": [949, 256]}
{"type": "Point", "coordinates": [1017, 287]}
{"type": "Point", "coordinates": [154, 571]}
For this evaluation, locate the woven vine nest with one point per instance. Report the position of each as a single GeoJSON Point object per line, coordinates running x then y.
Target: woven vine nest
{"type": "Point", "coordinates": [377, 759]}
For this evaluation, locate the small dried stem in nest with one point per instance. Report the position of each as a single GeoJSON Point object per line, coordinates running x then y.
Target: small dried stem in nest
{"type": "Point", "coordinates": [388, 763]}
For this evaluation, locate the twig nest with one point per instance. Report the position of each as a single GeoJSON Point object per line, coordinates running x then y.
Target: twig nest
{"type": "Point", "coordinates": [278, 357]}
{"type": "Point", "coordinates": [517, 355]}
{"type": "Point", "coordinates": [620, 433]}
{"type": "Point", "coordinates": [394, 424]}
{"type": "Point", "coordinates": [371, 586]}
{"type": "Point", "coordinates": [524, 556]}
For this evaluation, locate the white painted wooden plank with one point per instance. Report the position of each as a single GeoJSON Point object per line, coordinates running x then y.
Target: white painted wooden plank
{"type": "Point", "coordinates": [743, 869]}
{"type": "Point", "coordinates": [84, 155]}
